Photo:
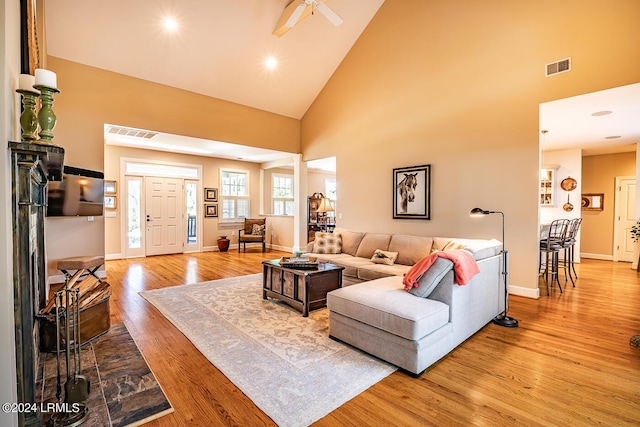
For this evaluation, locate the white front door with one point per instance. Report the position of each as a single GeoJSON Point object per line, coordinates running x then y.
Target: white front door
{"type": "Point", "coordinates": [164, 215]}
{"type": "Point", "coordinates": [625, 218]}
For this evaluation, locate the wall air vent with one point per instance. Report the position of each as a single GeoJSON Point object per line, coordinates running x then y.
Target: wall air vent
{"type": "Point", "coordinates": [135, 133]}
{"type": "Point", "coordinates": [557, 67]}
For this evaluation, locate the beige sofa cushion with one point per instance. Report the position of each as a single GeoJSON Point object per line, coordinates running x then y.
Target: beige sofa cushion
{"type": "Point", "coordinates": [376, 271]}
{"type": "Point", "coordinates": [385, 305]}
{"type": "Point", "coordinates": [352, 265]}
{"type": "Point", "coordinates": [350, 240]}
{"type": "Point", "coordinates": [411, 249]}
{"type": "Point", "coordinates": [372, 241]}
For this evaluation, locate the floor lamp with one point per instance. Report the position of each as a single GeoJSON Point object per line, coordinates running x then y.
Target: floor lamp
{"type": "Point", "coordinates": [501, 319]}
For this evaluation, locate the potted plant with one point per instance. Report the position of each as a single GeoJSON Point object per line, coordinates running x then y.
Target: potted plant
{"type": "Point", "coordinates": [635, 231]}
{"type": "Point", "coordinates": [223, 244]}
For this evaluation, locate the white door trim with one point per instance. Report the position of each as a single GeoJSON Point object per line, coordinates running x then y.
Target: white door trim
{"type": "Point", "coordinates": [618, 207]}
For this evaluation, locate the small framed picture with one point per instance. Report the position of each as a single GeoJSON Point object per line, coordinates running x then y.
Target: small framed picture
{"type": "Point", "coordinates": [592, 202]}
{"type": "Point", "coordinates": [110, 202]}
{"type": "Point", "coordinates": [211, 211]}
{"type": "Point", "coordinates": [110, 187]}
{"type": "Point", "coordinates": [210, 194]}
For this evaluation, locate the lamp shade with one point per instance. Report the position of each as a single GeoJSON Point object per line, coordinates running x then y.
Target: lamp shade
{"type": "Point", "coordinates": [325, 205]}
{"type": "Point", "coordinates": [478, 212]}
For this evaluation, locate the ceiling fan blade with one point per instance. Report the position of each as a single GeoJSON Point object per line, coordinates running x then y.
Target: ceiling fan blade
{"type": "Point", "coordinates": [293, 19]}
{"type": "Point", "coordinates": [329, 14]}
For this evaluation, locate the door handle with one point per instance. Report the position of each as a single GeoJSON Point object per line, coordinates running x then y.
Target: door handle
{"type": "Point", "coordinates": [148, 218]}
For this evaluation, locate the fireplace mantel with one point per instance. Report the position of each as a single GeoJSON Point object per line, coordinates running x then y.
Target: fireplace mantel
{"type": "Point", "coordinates": [32, 166]}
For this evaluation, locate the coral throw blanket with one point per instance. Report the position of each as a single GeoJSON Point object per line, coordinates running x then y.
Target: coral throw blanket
{"type": "Point", "coordinates": [464, 267]}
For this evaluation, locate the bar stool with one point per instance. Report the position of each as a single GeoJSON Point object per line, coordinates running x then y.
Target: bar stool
{"type": "Point", "coordinates": [570, 245]}
{"type": "Point", "coordinates": [550, 247]}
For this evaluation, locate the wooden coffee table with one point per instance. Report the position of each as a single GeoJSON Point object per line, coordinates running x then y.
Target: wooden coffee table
{"type": "Point", "coordinates": [304, 290]}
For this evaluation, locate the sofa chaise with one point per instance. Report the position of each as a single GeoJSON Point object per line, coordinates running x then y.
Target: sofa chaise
{"type": "Point", "coordinates": [411, 330]}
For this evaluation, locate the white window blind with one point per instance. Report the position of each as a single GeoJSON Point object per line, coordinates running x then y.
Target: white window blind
{"type": "Point", "coordinates": [234, 195]}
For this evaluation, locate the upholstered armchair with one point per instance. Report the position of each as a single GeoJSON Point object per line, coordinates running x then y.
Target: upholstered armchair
{"type": "Point", "coordinates": [254, 231]}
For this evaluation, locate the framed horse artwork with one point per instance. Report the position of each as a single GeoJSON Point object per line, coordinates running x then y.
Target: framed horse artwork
{"type": "Point", "coordinates": [411, 192]}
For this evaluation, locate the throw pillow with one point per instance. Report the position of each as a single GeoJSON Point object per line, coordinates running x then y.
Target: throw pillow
{"type": "Point", "coordinates": [258, 230]}
{"type": "Point", "coordinates": [432, 277]}
{"type": "Point", "coordinates": [384, 257]}
{"type": "Point", "coordinates": [453, 246]}
{"type": "Point", "coordinates": [327, 243]}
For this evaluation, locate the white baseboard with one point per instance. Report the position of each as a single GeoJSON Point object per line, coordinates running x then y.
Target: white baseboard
{"type": "Point", "coordinates": [280, 248]}
{"type": "Point", "coordinates": [597, 256]}
{"type": "Point", "coordinates": [524, 292]}
{"type": "Point", "coordinates": [108, 257]}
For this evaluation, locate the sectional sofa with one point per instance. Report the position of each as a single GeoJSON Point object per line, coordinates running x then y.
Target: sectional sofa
{"type": "Point", "coordinates": [377, 314]}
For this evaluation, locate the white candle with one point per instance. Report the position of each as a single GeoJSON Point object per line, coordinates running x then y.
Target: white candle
{"type": "Point", "coordinates": [46, 78]}
{"type": "Point", "coordinates": [26, 82]}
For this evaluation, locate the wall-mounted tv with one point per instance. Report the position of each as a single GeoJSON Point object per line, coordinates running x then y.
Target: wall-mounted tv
{"type": "Point", "coordinates": [80, 193]}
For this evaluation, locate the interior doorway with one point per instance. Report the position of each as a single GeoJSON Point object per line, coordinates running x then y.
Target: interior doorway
{"type": "Point", "coordinates": [599, 126]}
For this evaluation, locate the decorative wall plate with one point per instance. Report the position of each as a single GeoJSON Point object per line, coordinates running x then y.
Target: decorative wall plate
{"type": "Point", "coordinates": [569, 184]}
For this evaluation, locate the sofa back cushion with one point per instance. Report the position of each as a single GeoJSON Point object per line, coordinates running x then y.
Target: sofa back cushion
{"type": "Point", "coordinates": [350, 240]}
{"type": "Point", "coordinates": [411, 249]}
{"type": "Point", "coordinates": [479, 248]}
{"type": "Point", "coordinates": [372, 241]}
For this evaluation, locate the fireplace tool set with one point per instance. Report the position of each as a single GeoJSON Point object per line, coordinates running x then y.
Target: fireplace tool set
{"type": "Point", "coordinates": [76, 387]}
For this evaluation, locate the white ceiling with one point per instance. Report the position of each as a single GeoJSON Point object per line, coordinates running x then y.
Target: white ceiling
{"type": "Point", "coordinates": [570, 123]}
{"type": "Point", "coordinates": [220, 47]}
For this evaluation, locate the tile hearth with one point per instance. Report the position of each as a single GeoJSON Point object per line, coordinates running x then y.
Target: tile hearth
{"type": "Point", "coordinates": [123, 388]}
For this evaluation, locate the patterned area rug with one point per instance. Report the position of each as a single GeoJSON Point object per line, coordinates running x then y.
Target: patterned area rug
{"type": "Point", "coordinates": [285, 363]}
{"type": "Point", "coordinates": [123, 391]}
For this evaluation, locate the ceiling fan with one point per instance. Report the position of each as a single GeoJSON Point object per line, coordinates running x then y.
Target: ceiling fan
{"type": "Point", "coordinates": [314, 4]}
{"type": "Point", "coordinates": [298, 10]}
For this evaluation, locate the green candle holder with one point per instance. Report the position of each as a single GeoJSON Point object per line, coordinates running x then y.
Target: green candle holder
{"type": "Point", "coordinates": [29, 117]}
{"type": "Point", "coordinates": [46, 116]}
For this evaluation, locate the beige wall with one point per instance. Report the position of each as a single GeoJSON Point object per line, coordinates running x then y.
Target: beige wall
{"type": "Point", "coordinates": [458, 85]}
{"type": "Point", "coordinates": [9, 128]}
{"type": "Point", "coordinates": [315, 181]}
{"type": "Point", "coordinates": [599, 176]}
{"type": "Point", "coordinates": [91, 97]}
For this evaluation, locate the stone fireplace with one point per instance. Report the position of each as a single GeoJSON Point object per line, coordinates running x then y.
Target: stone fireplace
{"type": "Point", "coordinates": [32, 166]}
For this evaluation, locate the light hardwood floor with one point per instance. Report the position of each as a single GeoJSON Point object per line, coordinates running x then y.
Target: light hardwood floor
{"type": "Point", "coordinates": [568, 364]}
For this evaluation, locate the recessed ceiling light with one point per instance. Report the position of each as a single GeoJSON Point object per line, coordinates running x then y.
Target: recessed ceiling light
{"type": "Point", "coordinates": [612, 137]}
{"type": "Point", "coordinates": [170, 24]}
{"type": "Point", "coordinates": [601, 113]}
{"type": "Point", "coordinates": [271, 63]}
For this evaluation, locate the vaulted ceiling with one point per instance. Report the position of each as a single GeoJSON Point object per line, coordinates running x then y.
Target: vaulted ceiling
{"type": "Point", "coordinates": [220, 48]}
